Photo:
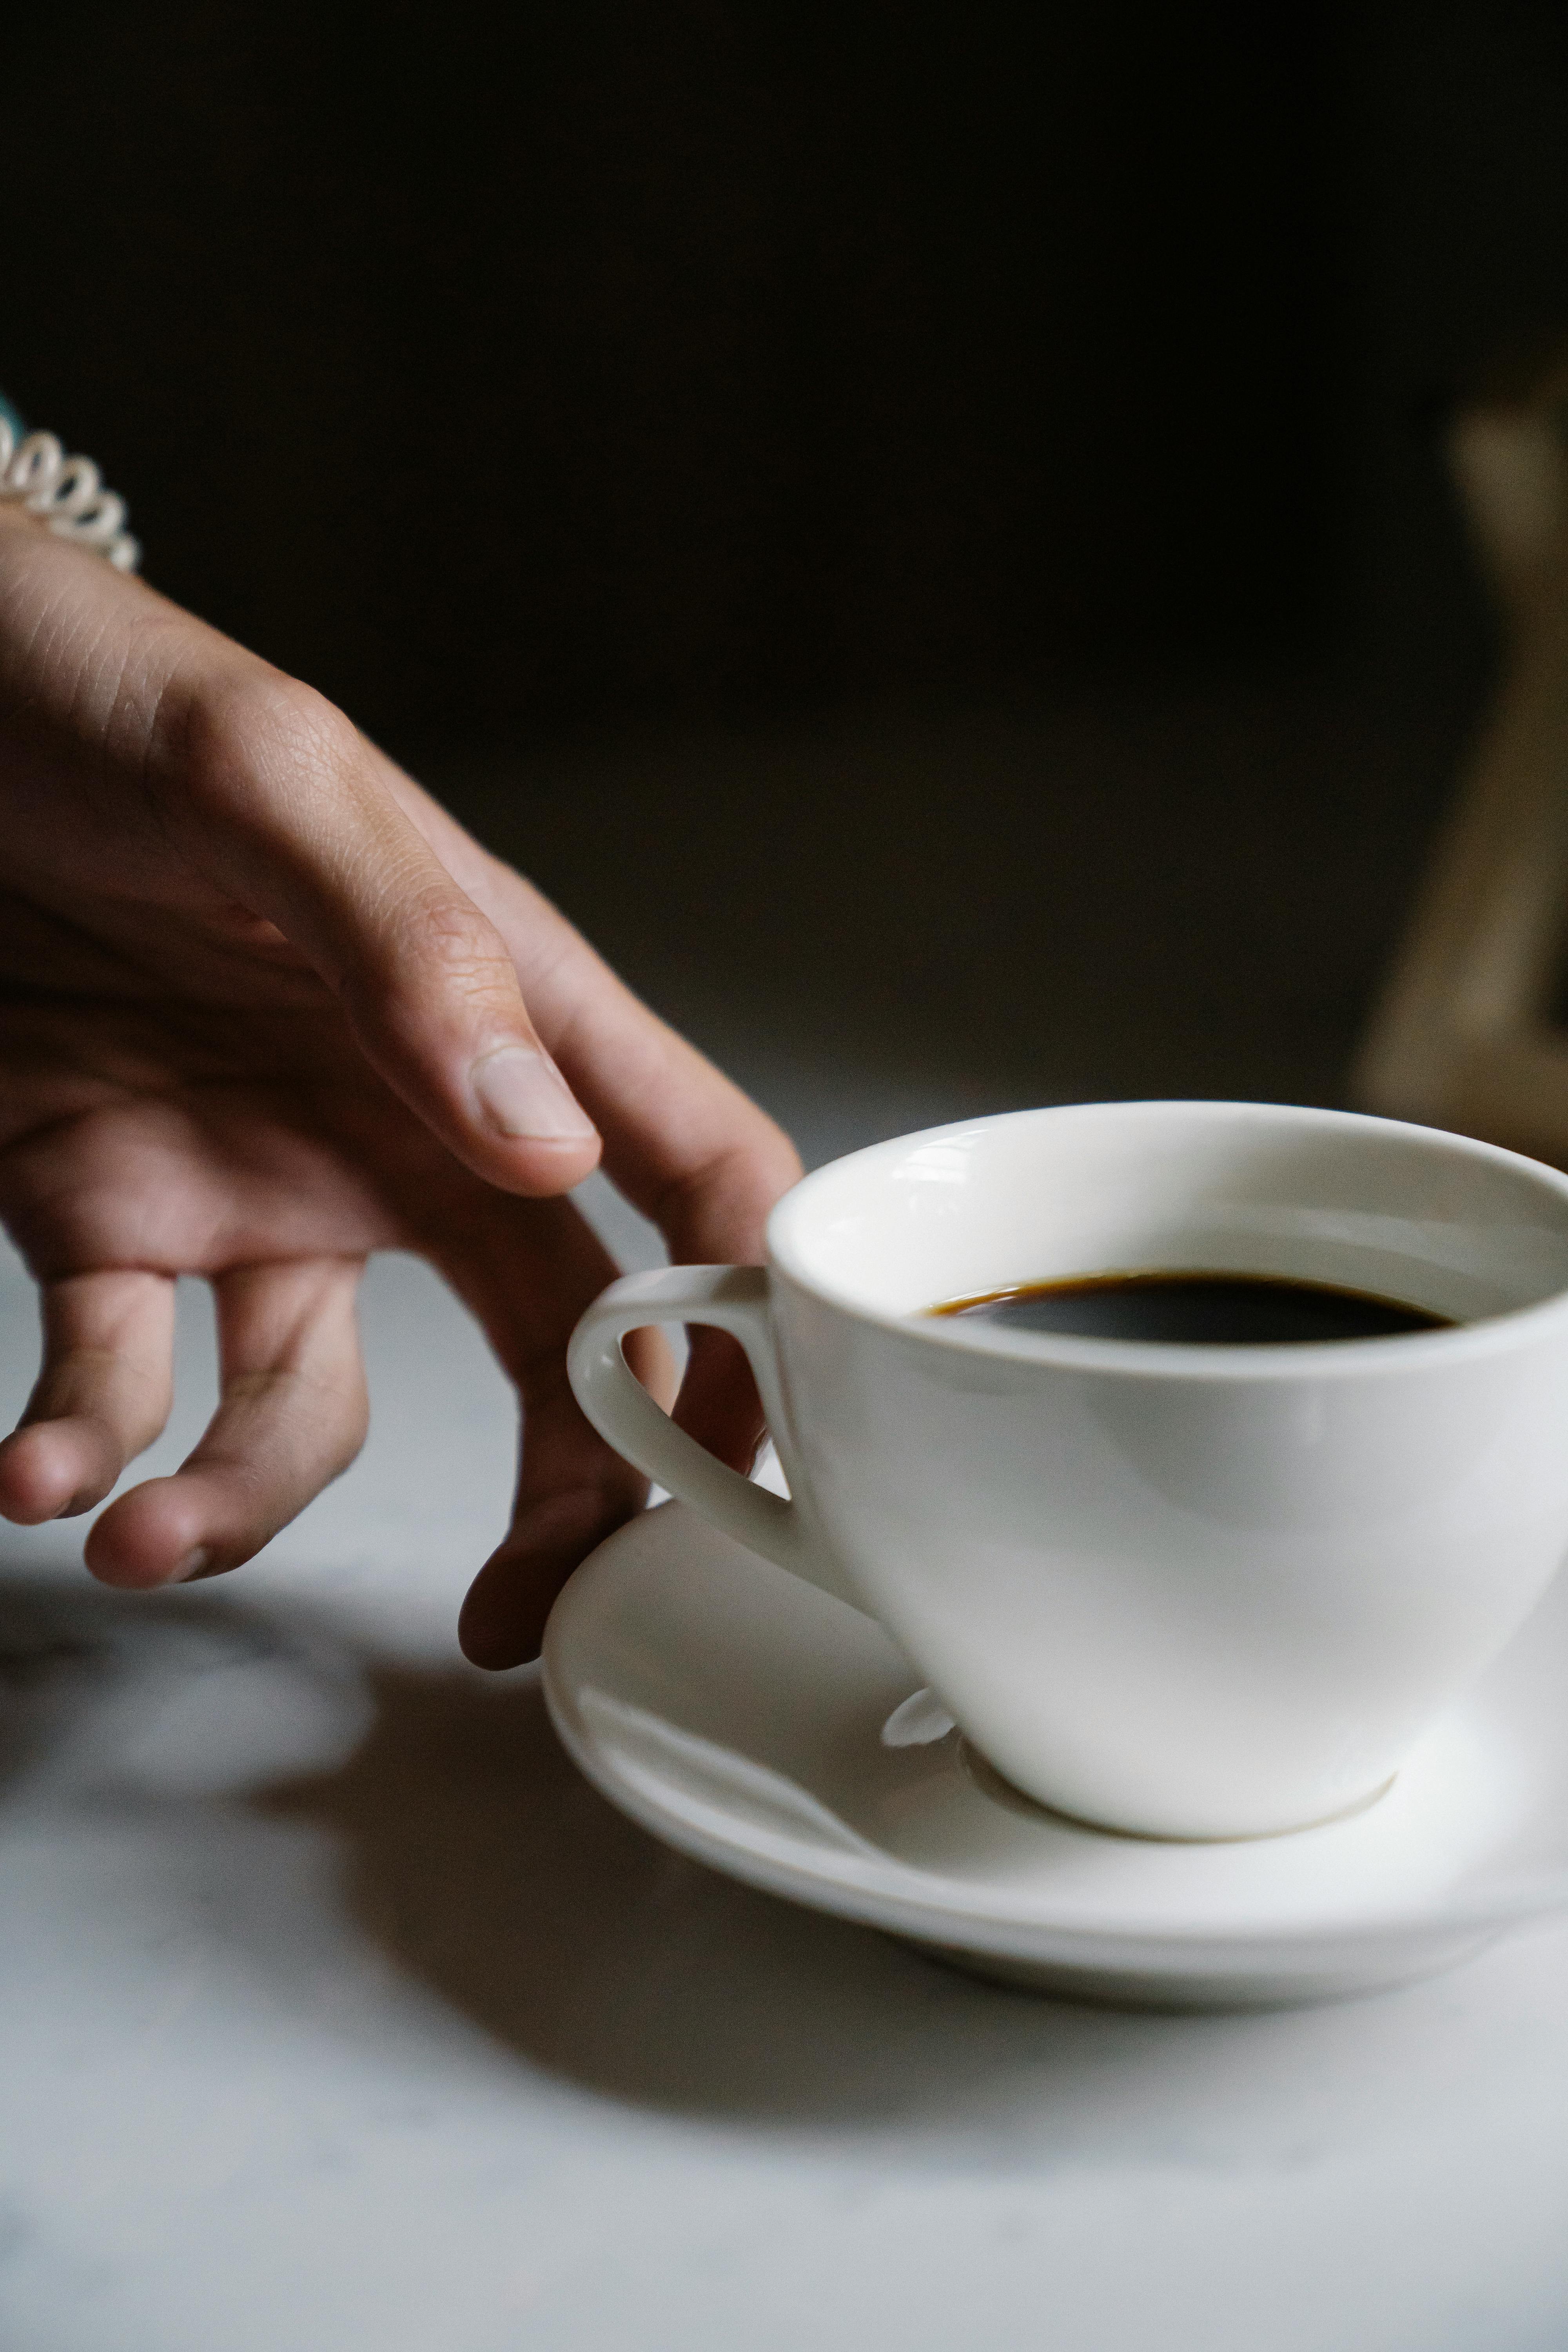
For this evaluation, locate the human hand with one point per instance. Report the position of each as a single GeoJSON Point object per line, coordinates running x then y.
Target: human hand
{"type": "Point", "coordinates": [264, 1008]}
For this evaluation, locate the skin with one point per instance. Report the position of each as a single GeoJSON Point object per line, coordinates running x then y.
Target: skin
{"type": "Point", "coordinates": [251, 979]}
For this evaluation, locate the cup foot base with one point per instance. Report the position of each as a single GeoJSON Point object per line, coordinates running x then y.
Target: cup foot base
{"type": "Point", "coordinates": [996, 1786]}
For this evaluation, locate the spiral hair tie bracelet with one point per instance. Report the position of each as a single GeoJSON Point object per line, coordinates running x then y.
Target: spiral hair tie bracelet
{"type": "Point", "coordinates": [67, 493]}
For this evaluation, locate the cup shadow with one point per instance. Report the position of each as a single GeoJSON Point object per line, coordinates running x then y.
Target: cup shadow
{"type": "Point", "coordinates": [476, 1860]}
{"type": "Point", "coordinates": [480, 1860]}
{"type": "Point", "coordinates": [478, 1857]}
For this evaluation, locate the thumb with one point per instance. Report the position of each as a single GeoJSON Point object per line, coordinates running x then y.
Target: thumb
{"type": "Point", "coordinates": [294, 820]}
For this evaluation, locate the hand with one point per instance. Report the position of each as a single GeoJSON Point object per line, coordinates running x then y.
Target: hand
{"type": "Point", "coordinates": [264, 1008]}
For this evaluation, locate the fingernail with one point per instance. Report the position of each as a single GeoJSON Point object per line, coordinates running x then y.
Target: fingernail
{"type": "Point", "coordinates": [523, 1094]}
{"type": "Point", "coordinates": [195, 1564]}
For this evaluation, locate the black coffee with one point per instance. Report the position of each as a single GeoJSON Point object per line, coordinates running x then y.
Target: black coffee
{"type": "Point", "coordinates": [1227, 1310]}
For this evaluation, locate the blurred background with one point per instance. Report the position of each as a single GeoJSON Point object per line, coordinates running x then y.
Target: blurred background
{"type": "Point", "coordinates": [925, 529]}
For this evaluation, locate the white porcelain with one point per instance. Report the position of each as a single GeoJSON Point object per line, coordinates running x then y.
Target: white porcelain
{"type": "Point", "coordinates": [1186, 1592]}
{"type": "Point", "coordinates": [780, 1737]}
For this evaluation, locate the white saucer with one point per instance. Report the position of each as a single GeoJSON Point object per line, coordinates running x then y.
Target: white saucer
{"type": "Point", "coordinates": [741, 1716]}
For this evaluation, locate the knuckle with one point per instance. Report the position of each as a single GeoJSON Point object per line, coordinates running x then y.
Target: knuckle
{"type": "Point", "coordinates": [253, 737]}
{"type": "Point", "coordinates": [457, 946]}
{"type": "Point", "coordinates": [723, 1198]}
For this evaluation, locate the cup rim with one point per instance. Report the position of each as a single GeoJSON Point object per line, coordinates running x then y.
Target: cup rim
{"type": "Point", "coordinates": [1279, 1360]}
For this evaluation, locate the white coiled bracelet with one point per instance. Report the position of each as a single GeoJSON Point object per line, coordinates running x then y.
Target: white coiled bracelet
{"type": "Point", "coordinates": [67, 493]}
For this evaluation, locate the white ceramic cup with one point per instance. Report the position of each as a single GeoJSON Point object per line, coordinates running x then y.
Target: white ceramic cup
{"type": "Point", "coordinates": [1188, 1591]}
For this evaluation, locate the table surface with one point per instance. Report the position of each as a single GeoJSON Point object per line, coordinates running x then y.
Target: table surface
{"type": "Point", "coordinates": [342, 2012]}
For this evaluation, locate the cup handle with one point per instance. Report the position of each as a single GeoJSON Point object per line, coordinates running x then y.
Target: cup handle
{"type": "Point", "coordinates": [736, 1299]}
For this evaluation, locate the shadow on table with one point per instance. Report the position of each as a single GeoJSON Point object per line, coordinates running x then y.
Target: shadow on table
{"type": "Point", "coordinates": [481, 1859]}
{"type": "Point", "coordinates": [477, 1862]}
{"type": "Point", "coordinates": [483, 1863]}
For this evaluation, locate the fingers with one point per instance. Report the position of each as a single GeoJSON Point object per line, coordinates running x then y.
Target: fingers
{"type": "Point", "coordinates": [683, 1143]}
{"type": "Point", "coordinates": [681, 1140]}
{"type": "Point", "coordinates": [573, 1492]}
{"type": "Point", "coordinates": [706, 1165]}
{"type": "Point", "coordinates": [286, 806]}
{"type": "Point", "coordinates": [102, 1394]}
{"type": "Point", "coordinates": [291, 1416]}
{"type": "Point", "coordinates": [528, 1269]}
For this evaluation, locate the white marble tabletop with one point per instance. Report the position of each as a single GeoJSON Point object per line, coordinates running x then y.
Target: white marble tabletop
{"type": "Point", "coordinates": [341, 2013]}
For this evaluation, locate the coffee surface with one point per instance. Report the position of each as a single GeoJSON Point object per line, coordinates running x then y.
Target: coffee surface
{"type": "Point", "coordinates": [1227, 1311]}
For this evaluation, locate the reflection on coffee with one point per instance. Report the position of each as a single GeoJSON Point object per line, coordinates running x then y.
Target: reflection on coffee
{"type": "Point", "coordinates": [1207, 1310]}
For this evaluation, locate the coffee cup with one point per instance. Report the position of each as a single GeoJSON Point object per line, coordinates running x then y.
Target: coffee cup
{"type": "Point", "coordinates": [1179, 1590]}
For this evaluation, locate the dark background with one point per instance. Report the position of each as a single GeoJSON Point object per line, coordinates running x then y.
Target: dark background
{"type": "Point", "coordinates": [925, 527]}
